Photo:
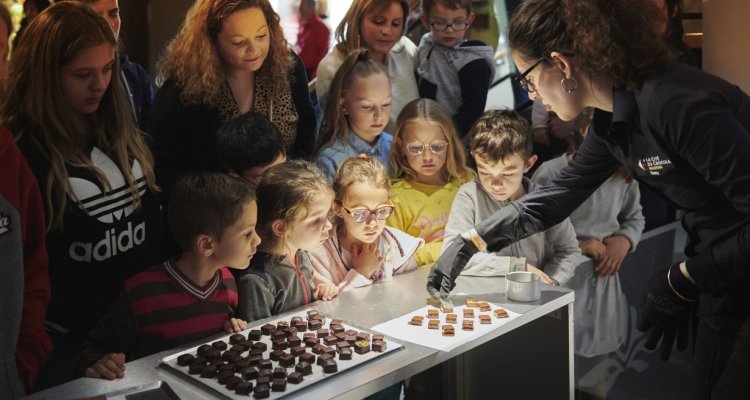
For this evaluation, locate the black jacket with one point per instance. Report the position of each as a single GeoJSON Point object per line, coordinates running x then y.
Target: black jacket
{"type": "Point", "coordinates": [686, 135]}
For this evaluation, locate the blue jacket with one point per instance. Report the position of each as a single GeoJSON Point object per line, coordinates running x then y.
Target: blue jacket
{"type": "Point", "coordinates": [138, 85]}
{"type": "Point", "coordinates": [331, 157]}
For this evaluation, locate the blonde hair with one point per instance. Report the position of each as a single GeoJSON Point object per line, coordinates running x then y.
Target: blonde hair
{"type": "Point", "coordinates": [431, 112]}
{"type": "Point", "coordinates": [35, 107]}
{"type": "Point", "coordinates": [284, 192]}
{"type": "Point", "coordinates": [335, 123]}
{"type": "Point", "coordinates": [349, 30]}
{"type": "Point", "coordinates": [360, 170]}
{"type": "Point", "coordinates": [193, 60]}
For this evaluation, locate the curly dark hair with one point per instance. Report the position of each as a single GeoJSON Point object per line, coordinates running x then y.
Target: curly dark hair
{"type": "Point", "coordinates": [619, 38]}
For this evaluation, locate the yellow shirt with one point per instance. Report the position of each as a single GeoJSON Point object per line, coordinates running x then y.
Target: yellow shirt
{"type": "Point", "coordinates": [422, 211]}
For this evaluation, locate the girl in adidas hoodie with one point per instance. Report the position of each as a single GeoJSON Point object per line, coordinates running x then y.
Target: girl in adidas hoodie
{"type": "Point", "coordinates": [93, 166]}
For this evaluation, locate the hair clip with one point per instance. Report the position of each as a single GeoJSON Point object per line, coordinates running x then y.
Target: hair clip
{"type": "Point", "coordinates": [363, 55]}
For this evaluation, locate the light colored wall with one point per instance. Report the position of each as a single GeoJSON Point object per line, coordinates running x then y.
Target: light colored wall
{"type": "Point", "coordinates": [726, 40]}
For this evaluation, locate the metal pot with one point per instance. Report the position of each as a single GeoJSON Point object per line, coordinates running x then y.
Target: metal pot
{"type": "Point", "coordinates": [522, 286]}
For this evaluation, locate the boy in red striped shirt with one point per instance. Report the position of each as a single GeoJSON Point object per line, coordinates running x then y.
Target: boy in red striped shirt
{"type": "Point", "coordinates": [190, 297]}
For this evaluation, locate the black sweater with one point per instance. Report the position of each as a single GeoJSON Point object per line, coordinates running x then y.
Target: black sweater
{"type": "Point", "coordinates": [184, 134]}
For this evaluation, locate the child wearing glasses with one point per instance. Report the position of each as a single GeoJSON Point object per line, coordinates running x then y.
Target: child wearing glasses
{"type": "Point", "coordinates": [428, 166]}
{"type": "Point", "coordinates": [294, 201]}
{"type": "Point", "coordinates": [354, 123]}
{"type": "Point", "coordinates": [450, 69]}
{"type": "Point", "coordinates": [361, 249]}
{"type": "Point", "coordinates": [501, 146]}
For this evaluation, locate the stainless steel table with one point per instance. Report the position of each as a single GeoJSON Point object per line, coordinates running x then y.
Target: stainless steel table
{"type": "Point", "coordinates": [530, 356]}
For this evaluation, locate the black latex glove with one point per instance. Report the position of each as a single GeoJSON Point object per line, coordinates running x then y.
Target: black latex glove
{"type": "Point", "coordinates": [664, 314]}
{"type": "Point", "coordinates": [446, 269]}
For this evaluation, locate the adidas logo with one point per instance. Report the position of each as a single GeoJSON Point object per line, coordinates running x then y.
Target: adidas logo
{"type": "Point", "coordinates": [4, 224]}
{"type": "Point", "coordinates": [112, 244]}
{"type": "Point", "coordinates": [111, 206]}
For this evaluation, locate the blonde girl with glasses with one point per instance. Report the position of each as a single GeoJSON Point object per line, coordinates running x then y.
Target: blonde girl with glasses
{"type": "Point", "coordinates": [428, 166]}
{"type": "Point", "coordinates": [361, 250]}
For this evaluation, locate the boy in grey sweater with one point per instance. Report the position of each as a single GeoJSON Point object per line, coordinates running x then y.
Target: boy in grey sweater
{"type": "Point", "coordinates": [501, 146]}
{"type": "Point", "coordinates": [451, 70]}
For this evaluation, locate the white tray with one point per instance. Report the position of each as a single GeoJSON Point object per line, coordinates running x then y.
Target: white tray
{"type": "Point", "coordinates": [401, 329]}
{"type": "Point", "coordinates": [317, 375]}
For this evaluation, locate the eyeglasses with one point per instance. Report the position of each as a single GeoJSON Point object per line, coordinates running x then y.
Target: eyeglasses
{"type": "Point", "coordinates": [361, 215]}
{"type": "Point", "coordinates": [417, 148]}
{"type": "Point", "coordinates": [440, 25]}
{"type": "Point", "coordinates": [526, 85]}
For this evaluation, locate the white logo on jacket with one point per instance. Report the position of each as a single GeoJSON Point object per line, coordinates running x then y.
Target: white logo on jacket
{"type": "Point", "coordinates": [4, 224]}
{"type": "Point", "coordinates": [109, 208]}
{"type": "Point", "coordinates": [654, 164]}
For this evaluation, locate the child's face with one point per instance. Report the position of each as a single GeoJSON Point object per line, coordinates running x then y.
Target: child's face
{"type": "Point", "coordinates": [85, 79]}
{"type": "Point", "coordinates": [367, 103]}
{"type": "Point", "coordinates": [428, 139]}
{"type": "Point", "coordinates": [381, 29]}
{"type": "Point", "coordinates": [244, 40]}
{"type": "Point", "coordinates": [448, 36]}
{"type": "Point", "coordinates": [311, 226]}
{"type": "Point", "coordinates": [253, 175]}
{"type": "Point", "coordinates": [502, 180]}
{"type": "Point", "coordinates": [239, 241]}
{"type": "Point", "coordinates": [358, 200]}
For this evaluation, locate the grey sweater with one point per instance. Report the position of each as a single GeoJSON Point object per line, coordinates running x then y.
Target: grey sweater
{"type": "Point", "coordinates": [272, 285]}
{"type": "Point", "coordinates": [555, 250]}
{"type": "Point", "coordinates": [613, 209]}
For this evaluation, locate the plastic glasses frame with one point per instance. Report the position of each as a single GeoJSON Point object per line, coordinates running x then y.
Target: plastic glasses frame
{"type": "Point", "coordinates": [521, 79]}
{"type": "Point", "coordinates": [381, 213]}
{"type": "Point", "coordinates": [438, 25]}
{"type": "Point", "coordinates": [407, 147]}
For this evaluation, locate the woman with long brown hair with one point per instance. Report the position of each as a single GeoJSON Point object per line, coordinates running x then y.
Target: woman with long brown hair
{"type": "Point", "coordinates": [230, 57]}
{"type": "Point", "coordinates": [680, 131]}
{"type": "Point", "coordinates": [94, 168]}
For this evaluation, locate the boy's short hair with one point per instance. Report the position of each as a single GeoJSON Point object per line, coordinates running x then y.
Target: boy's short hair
{"type": "Point", "coordinates": [498, 134]}
{"type": "Point", "coordinates": [248, 141]}
{"type": "Point", "coordinates": [450, 4]}
{"type": "Point", "coordinates": [205, 203]}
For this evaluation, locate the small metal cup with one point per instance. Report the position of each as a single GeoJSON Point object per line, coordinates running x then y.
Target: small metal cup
{"type": "Point", "coordinates": [522, 286]}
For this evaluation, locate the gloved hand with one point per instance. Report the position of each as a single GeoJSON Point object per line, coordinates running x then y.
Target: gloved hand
{"type": "Point", "coordinates": [666, 310]}
{"type": "Point", "coordinates": [446, 269]}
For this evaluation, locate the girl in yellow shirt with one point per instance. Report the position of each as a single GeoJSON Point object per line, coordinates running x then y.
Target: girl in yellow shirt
{"type": "Point", "coordinates": [428, 166]}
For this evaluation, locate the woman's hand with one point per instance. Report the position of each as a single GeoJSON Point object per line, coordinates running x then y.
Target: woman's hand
{"type": "Point", "coordinates": [234, 325]}
{"type": "Point", "coordinates": [616, 247]}
{"type": "Point", "coordinates": [326, 291]}
{"type": "Point", "coordinates": [365, 258]}
{"type": "Point", "coordinates": [111, 366]}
